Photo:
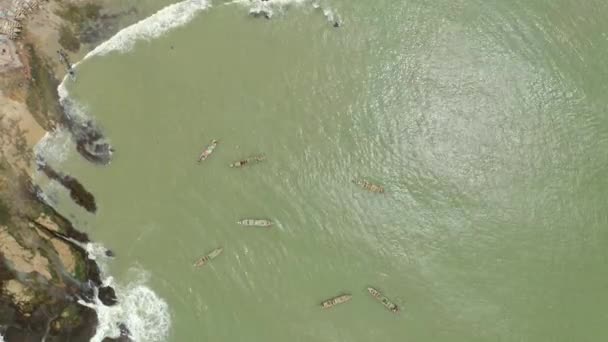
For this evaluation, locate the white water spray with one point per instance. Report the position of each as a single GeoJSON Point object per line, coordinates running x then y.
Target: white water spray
{"type": "Point", "coordinates": [144, 314]}
{"type": "Point", "coordinates": [139, 308]}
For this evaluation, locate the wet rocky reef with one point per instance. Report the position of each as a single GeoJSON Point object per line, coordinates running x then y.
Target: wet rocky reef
{"type": "Point", "coordinates": [44, 103]}
{"type": "Point", "coordinates": [78, 193]}
{"type": "Point", "coordinates": [45, 272]}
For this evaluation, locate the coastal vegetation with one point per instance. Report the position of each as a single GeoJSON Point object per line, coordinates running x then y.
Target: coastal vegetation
{"type": "Point", "coordinates": [42, 99]}
{"type": "Point", "coordinates": [5, 215]}
{"type": "Point", "coordinates": [43, 267]}
{"type": "Point", "coordinates": [82, 24]}
{"type": "Point", "coordinates": [77, 15]}
{"type": "Point", "coordinates": [68, 39]}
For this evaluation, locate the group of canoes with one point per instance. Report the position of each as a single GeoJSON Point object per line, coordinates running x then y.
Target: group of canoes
{"type": "Point", "coordinates": [343, 298]}
{"type": "Point", "coordinates": [250, 222]}
{"type": "Point", "coordinates": [326, 304]}
{"type": "Point", "coordinates": [239, 163]}
{"type": "Point", "coordinates": [255, 159]}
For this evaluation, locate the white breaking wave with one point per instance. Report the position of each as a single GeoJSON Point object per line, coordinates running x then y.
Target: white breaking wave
{"type": "Point", "coordinates": [268, 7]}
{"type": "Point", "coordinates": [95, 251]}
{"type": "Point", "coordinates": [1, 338]}
{"type": "Point", "coordinates": [152, 27]}
{"type": "Point", "coordinates": [144, 314]}
{"type": "Point", "coordinates": [330, 15]}
{"type": "Point", "coordinates": [54, 146]}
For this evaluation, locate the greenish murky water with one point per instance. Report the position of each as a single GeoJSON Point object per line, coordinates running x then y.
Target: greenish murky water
{"type": "Point", "coordinates": [484, 120]}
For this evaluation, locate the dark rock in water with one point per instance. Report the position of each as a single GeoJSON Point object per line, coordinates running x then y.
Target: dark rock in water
{"type": "Point", "coordinates": [98, 154]}
{"type": "Point", "coordinates": [52, 320]}
{"type": "Point", "coordinates": [78, 193]}
{"type": "Point", "coordinates": [107, 296]}
{"type": "Point", "coordinates": [91, 144]}
{"type": "Point", "coordinates": [260, 13]}
{"type": "Point", "coordinates": [109, 253]}
{"type": "Point", "coordinates": [336, 24]}
{"type": "Point", "coordinates": [35, 193]}
{"type": "Point", "coordinates": [125, 335]}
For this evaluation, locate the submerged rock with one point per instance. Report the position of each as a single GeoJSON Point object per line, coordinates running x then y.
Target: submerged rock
{"type": "Point", "coordinates": [125, 335]}
{"type": "Point", "coordinates": [90, 142]}
{"type": "Point", "coordinates": [107, 296]}
{"type": "Point", "coordinates": [78, 193]}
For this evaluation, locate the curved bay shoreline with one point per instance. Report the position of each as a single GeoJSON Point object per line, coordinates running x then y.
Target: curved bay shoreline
{"type": "Point", "coordinates": [44, 269]}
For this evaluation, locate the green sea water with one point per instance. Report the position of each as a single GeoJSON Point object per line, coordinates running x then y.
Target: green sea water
{"type": "Point", "coordinates": [485, 121]}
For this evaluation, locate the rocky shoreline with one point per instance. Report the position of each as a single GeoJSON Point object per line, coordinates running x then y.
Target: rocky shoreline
{"type": "Point", "coordinates": [44, 268]}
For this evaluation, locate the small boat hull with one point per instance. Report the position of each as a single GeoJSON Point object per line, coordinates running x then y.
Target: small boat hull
{"type": "Point", "coordinates": [207, 258]}
{"type": "Point", "coordinates": [341, 299]}
{"type": "Point", "coordinates": [390, 306]}
{"type": "Point", "coordinates": [208, 150]}
{"type": "Point", "coordinates": [248, 161]}
{"type": "Point", "coordinates": [255, 222]}
{"type": "Point", "coordinates": [371, 187]}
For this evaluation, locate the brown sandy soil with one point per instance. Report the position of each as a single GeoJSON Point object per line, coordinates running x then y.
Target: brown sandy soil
{"type": "Point", "coordinates": [8, 55]}
{"type": "Point", "coordinates": [41, 272]}
{"type": "Point", "coordinates": [64, 251]}
{"type": "Point", "coordinates": [18, 292]}
{"type": "Point", "coordinates": [21, 259]}
{"type": "Point", "coordinates": [19, 131]}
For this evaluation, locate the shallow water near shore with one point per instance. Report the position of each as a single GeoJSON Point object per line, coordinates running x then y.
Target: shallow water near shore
{"type": "Point", "coordinates": [485, 123]}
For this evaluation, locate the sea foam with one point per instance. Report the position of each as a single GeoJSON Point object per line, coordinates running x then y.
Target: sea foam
{"type": "Point", "coordinates": [54, 146]}
{"type": "Point", "coordinates": [154, 26]}
{"type": "Point", "coordinates": [143, 312]}
{"type": "Point", "coordinates": [145, 315]}
{"type": "Point", "coordinates": [270, 6]}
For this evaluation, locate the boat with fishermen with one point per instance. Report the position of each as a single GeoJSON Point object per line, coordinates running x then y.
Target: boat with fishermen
{"type": "Point", "coordinates": [392, 307]}
{"type": "Point", "coordinates": [207, 258]}
{"type": "Point", "coordinates": [255, 222]}
{"type": "Point", "coordinates": [331, 302]}
{"type": "Point", "coordinates": [371, 187]}
{"type": "Point", "coordinates": [208, 150]}
{"type": "Point", "coordinates": [249, 161]}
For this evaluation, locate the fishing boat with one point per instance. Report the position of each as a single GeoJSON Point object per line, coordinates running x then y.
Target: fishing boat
{"type": "Point", "coordinates": [249, 161]}
{"type": "Point", "coordinates": [329, 303]}
{"type": "Point", "coordinates": [369, 186]}
{"type": "Point", "coordinates": [255, 222]}
{"type": "Point", "coordinates": [392, 307]}
{"type": "Point", "coordinates": [204, 260]}
{"type": "Point", "coordinates": [208, 150]}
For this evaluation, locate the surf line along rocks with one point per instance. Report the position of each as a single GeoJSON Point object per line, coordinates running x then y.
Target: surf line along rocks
{"type": "Point", "coordinates": [90, 142]}
{"type": "Point", "coordinates": [39, 298]}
